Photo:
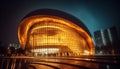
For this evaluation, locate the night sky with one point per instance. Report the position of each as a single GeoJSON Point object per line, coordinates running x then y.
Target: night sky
{"type": "Point", "coordinates": [95, 14]}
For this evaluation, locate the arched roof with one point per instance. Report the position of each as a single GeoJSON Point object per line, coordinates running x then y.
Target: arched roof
{"type": "Point", "coordinates": [58, 13]}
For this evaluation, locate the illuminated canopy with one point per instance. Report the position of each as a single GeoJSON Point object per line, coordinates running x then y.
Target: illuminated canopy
{"type": "Point", "coordinates": [53, 34]}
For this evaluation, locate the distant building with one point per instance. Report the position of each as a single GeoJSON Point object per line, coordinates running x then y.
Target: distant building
{"type": "Point", "coordinates": [98, 38]}
{"type": "Point", "coordinates": [114, 39]}
{"type": "Point", "coordinates": [107, 40]}
{"type": "Point", "coordinates": [106, 37]}
{"type": "Point", "coordinates": [113, 35]}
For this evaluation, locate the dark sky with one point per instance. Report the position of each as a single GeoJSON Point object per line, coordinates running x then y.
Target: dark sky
{"type": "Point", "coordinates": [95, 14]}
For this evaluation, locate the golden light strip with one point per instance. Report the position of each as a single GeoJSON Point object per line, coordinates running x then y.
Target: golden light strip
{"type": "Point", "coordinates": [39, 27]}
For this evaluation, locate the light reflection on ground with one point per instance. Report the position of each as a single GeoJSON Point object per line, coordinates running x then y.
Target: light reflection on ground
{"type": "Point", "coordinates": [81, 62]}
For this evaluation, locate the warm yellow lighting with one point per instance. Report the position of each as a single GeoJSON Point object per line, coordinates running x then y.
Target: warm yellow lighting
{"type": "Point", "coordinates": [86, 52]}
{"type": "Point", "coordinates": [46, 50]}
{"type": "Point", "coordinates": [43, 30]}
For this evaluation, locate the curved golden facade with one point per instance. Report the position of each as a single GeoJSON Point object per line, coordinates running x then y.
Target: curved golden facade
{"type": "Point", "coordinates": [45, 34]}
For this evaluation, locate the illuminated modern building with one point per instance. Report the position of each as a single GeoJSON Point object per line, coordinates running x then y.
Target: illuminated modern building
{"type": "Point", "coordinates": [48, 32]}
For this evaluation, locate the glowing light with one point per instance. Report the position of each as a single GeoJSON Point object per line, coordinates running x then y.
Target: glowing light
{"type": "Point", "coordinates": [46, 50]}
{"type": "Point", "coordinates": [86, 52]}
